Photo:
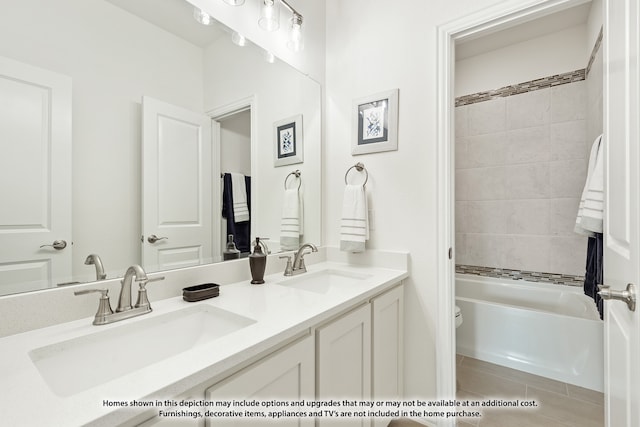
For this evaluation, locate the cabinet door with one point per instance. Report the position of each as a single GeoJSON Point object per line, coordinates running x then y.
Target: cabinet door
{"type": "Point", "coordinates": [388, 344]}
{"type": "Point", "coordinates": [287, 374]}
{"type": "Point", "coordinates": [344, 361]}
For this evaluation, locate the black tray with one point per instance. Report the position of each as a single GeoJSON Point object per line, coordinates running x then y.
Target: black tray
{"type": "Point", "coordinates": [200, 292]}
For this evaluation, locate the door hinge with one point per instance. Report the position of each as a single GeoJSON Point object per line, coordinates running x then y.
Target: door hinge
{"type": "Point", "coordinates": [450, 253]}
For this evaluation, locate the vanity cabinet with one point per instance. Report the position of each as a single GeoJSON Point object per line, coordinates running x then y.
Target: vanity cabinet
{"type": "Point", "coordinates": [356, 356]}
{"type": "Point", "coordinates": [388, 348]}
{"type": "Point", "coordinates": [287, 374]}
{"type": "Point", "coordinates": [360, 356]}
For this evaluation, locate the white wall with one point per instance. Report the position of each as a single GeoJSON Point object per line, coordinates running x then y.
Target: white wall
{"type": "Point", "coordinates": [555, 53]}
{"type": "Point", "coordinates": [110, 72]}
{"type": "Point", "coordinates": [280, 92]}
{"type": "Point", "coordinates": [375, 45]}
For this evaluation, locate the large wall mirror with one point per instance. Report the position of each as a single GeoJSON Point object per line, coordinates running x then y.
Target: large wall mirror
{"type": "Point", "coordinates": [118, 122]}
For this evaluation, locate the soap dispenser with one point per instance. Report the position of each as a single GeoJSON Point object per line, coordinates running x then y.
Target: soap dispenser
{"type": "Point", "coordinates": [231, 252]}
{"type": "Point", "coordinates": [257, 264]}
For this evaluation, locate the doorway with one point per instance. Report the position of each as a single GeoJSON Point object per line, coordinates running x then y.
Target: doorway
{"type": "Point", "coordinates": [472, 27]}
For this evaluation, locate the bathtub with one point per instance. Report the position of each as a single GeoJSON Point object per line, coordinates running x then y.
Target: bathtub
{"type": "Point", "coordinates": [545, 329]}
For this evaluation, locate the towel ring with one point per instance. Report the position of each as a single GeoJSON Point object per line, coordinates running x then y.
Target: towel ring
{"type": "Point", "coordinates": [359, 167]}
{"type": "Point", "coordinates": [297, 174]}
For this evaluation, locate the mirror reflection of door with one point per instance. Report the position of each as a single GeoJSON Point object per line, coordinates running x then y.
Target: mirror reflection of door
{"type": "Point", "coordinates": [177, 191]}
{"type": "Point", "coordinates": [35, 171]}
{"type": "Point", "coordinates": [235, 158]}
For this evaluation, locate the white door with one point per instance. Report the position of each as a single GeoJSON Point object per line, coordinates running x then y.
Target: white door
{"type": "Point", "coordinates": [176, 186]}
{"type": "Point", "coordinates": [621, 238]}
{"type": "Point", "coordinates": [35, 171]}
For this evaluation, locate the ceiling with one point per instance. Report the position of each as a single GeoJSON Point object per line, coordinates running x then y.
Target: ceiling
{"type": "Point", "coordinates": [520, 32]}
{"type": "Point", "coordinates": [175, 16]}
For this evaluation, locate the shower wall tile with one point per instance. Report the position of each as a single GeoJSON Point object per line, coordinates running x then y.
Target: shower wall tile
{"type": "Point", "coordinates": [529, 181]}
{"type": "Point", "coordinates": [462, 217]}
{"type": "Point", "coordinates": [461, 153]}
{"type": "Point", "coordinates": [528, 145]}
{"type": "Point", "coordinates": [520, 169]}
{"type": "Point", "coordinates": [528, 217]}
{"type": "Point", "coordinates": [486, 150]}
{"type": "Point", "coordinates": [486, 117]}
{"type": "Point", "coordinates": [568, 102]}
{"type": "Point", "coordinates": [568, 140]}
{"type": "Point", "coordinates": [461, 120]}
{"type": "Point", "coordinates": [485, 183]}
{"type": "Point", "coordinates": [486, 217]}
{"type": "Point", "coordinates": [460, 252]}
{"type": "Point", "coordinates": [529, 253]}
{"type": "Point", "coordinates": [528, 109]}
{"type": "Point", "coordinates": [567, 177]}
{"type": "Point", "coordinates": [563, 214]}
{"type": "Point", "coordinates": [487, 249]}
{"type": "Point", "coordinates": [462, 183]}
{"type": "Point", "coordinates": [568, 254]}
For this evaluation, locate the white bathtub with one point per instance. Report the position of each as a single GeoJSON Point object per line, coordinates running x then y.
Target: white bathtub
{"type": "Point", "coordinates": [549, 330]}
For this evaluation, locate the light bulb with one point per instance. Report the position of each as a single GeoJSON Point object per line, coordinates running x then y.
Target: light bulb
{"type": "Point", "coordinates": [269, 15]}
{"type": "Point", "coordinates": [202, 17]}
{"type": "Point", "coordinates": [269, 57]}
{"type": "Point", "coordinates": [234, 2]}
{"type": "Point", "coordinates": [295, 33]}
{"type": "Point", "coordinates": [238, 39]}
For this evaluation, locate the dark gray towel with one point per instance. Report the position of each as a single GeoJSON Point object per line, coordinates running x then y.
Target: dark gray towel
{"type": "Point", "coordinates": [241, 231]}
{"type": "Point", "coordinates": [593, 275]}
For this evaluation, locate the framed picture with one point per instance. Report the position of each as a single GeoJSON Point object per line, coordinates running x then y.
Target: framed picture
{"type": "Point", "coordinates": [375, 123]}
{"type": "Point", "coordinates": [288, 138]}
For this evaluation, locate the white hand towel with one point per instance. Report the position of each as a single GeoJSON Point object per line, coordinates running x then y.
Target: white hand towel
{"type": "Point", "coordinates": [240, 207]}
{"type": "Point", "coordinates": [292, 225]}
{"type": "Point", "coordinates": [591, 209]}
{"type": "Point", "coordinates": [354, 225]}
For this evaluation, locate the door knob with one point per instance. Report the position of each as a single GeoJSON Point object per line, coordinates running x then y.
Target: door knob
{"type": "Point", "coordinates": [57, 244]}
{"type": "Point", "coordinates": [628, 295]}
{"type": "Point", "coordinates": [153, 238]}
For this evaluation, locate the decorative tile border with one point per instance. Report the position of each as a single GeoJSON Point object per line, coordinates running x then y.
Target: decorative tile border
{"type": "Point", "coordinates": [594, 52]}
{"type": "Point", "coordinates": [529, 276]}
{"type": "Point", "coordinates": [530, 86]}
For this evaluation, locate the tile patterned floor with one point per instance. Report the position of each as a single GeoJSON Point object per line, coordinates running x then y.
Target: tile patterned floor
{"type": "Point", "coordinates": [560, 404]}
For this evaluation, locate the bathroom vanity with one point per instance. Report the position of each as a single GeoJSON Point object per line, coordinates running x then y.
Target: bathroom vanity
{"type": "Point", "coordinates": [333, 332]}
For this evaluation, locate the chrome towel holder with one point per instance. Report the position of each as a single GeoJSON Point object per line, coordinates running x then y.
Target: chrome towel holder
{"type": "Point", "coordinates": [359, 167]}
{"type": "Point", "coordinates": [297, 174]}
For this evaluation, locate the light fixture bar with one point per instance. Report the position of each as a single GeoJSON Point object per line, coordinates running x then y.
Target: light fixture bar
{"type": "Point", "coordinates": [292, 10]}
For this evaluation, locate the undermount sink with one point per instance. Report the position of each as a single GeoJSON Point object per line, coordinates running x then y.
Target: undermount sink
{"type": "Point", "coordinates": [321, 281]}
{"type": "Point", "coordinates": [78, 364]}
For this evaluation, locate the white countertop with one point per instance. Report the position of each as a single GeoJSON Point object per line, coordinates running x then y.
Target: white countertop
{"type": "Point", "coordinates": [281, 313]}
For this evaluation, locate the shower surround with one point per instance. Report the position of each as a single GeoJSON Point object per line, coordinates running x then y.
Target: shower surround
{"type": "Point", "coordinates": [521, 162]}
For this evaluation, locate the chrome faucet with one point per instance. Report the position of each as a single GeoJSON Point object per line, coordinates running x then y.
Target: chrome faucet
{"type": "Point", "coordinates": [298, 266]}
{"type": "Point", "coordinates": [94, 259]}
{"type": "Point", "coordinates": [106, 315]}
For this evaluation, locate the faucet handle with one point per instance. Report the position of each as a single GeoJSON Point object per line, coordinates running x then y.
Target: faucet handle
{"type": "Point", "coordinates": [143, 300]}
{"type": "Point", "coordinates": [104, 308]}
{"type": "Point", "coordinates": [288, 270]}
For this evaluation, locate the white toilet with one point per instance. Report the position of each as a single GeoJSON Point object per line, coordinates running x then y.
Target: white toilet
{"type": "Point", "coordinates": [458, 317]}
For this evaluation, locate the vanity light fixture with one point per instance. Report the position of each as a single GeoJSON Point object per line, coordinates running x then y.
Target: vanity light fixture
{"type": "Point", "coordinates": [269, 15]}
{"type": "Point", "coordinates": [270, 20]}
{"type": "Point", "coordinates": [202, 17]}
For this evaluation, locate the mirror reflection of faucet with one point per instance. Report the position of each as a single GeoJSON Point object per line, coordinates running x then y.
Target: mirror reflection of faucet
{"type": "Point", "coordinates": [106, 315]}
{"type": "Point", "coordinates": [94, 259]}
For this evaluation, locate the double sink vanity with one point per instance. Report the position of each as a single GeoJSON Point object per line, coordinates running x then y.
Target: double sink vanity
{"type": "Point", "coordinates": [335, 331]}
